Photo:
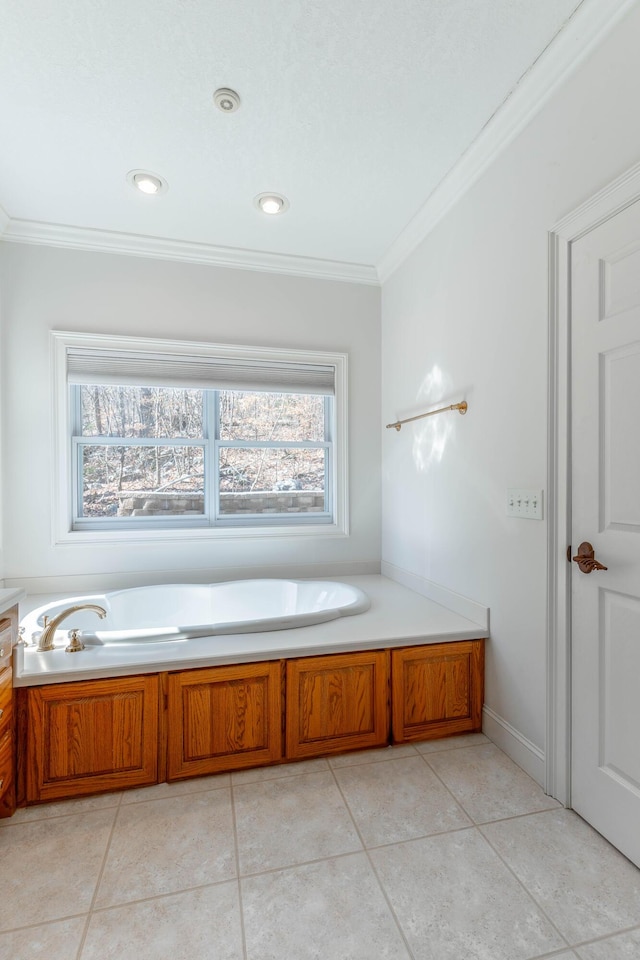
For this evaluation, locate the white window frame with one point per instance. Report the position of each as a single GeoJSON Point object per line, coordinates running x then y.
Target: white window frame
{"type": "Point", "coordinates": [65, 483]}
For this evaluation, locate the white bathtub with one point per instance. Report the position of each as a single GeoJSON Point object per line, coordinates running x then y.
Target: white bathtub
{"type": "Point", "coordinates": [179, 612]}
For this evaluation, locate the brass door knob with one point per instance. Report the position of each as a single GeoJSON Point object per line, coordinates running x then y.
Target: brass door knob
{"type": "Point", "coordinates": [586, 559]}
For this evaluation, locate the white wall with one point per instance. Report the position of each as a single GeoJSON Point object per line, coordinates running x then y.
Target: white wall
{"type": "Point", "coordinates": [471, 302]}
{"type": "Point", "coordinates": [47, 288]}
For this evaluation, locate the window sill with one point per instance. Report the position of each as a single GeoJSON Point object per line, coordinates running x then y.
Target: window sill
{"type": "Point", "coordinates": [159, 535]}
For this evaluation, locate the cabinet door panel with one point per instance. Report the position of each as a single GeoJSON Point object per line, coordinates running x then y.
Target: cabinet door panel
{"type": "Point", "coordinates": [437, 690]}
{"type": "Point", "coordinates": [224, 718]}
{"type": "Point", "coordinates": [337, 703]}
{"type": "Point", "coordinates": [91, 736]}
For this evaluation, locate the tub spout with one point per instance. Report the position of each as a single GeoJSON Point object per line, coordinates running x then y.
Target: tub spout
{"type": "Point", "coordinates": [46, 638]}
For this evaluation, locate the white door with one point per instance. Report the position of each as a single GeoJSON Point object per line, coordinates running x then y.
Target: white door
{"type": "Point", "coordinates": [605, 413]}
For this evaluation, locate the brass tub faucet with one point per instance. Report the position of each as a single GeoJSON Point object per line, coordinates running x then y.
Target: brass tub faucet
{"type": "Point", "coordinates": [47, 636]}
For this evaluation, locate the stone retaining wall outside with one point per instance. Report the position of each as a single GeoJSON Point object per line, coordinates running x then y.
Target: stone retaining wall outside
{"type": "Point", "coordinates": [144, 504]}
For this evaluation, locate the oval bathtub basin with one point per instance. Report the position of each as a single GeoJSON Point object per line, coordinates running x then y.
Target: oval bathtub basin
{"type": "Point", "coordinates": [166, 612]}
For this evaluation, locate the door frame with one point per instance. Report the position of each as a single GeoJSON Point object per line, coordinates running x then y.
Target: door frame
{"type": "Point", "coordinates": [606, 203]}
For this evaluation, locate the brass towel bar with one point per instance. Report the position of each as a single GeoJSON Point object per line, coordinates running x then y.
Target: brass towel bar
{"type": "Point", "coordinates": [461, 407]}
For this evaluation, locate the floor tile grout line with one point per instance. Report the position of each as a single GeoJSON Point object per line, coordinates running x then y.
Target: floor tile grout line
{"type": "Point", "coordinates": [528, 892]}
{"type": "Point", "coordinates": [455, 799]}
{"type": "Point", "coordinates": [248, 782]}
{"type": "Point", "coordinates": [410, 952]}
{"type": "Point", "coordinates": [43, 923]}
{"type": "Point", "coordinates": [172, 796]}
{"type": "Point", "coordinates": [94, 909]}
{"type": "Point", "coordinates": [55, 816]}
{"type": "Point", "coordinates": [295, 773]}
{"type": "Point", "coordinates": [83, 938]}
{"type": "Point", "coordinates": [514, 816]}
{"type": "Point", "coordinates": [460, 746]}
{"type": "Point", "coordinates": [560, 952]}
{"type": "Point", "coordinates": [378, 759]}
{"type": "Point", "coordinates": [384, 893]}
{"type": "Point", "coordinates": [343, 766]}
{"type": "Point", "coordinates": [156, 896]}
{"type": "Point", "coordinates": [519, 816]}
{"type": "Point", "coordinates": [243, 933]}
{"type": "Point", "coordinates": [421, 836]}
{"type": "Point", "coordinates": [605, 936]}
{"type": "Point", "coordinates": [351, 853]}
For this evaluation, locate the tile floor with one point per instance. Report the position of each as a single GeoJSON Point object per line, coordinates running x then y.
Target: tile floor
{"type": "Point", "coordinates": [442, 851]}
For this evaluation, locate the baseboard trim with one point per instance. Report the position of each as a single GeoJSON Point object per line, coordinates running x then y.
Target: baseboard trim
{"type": "Point", "coordinates": [101, 582]}
{"type": "Point", "coordinates": [463, 606]}
{"type": "Point", "coordinates": [514, 744]}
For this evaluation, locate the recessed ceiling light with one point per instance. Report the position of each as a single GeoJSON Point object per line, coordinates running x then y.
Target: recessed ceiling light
{"type": "Point", "coordinates": [271, 203]}
{"type": "Point", "coordinates": [149, 183]}
{"type": "Point", "coordinates": [226, 100]}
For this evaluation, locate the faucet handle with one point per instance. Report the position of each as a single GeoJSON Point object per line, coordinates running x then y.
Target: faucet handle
{"type": "Point", "coordinates": [75, 643]}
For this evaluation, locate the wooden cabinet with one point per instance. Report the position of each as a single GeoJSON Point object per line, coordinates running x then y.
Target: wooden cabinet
{"type": "Point", "coordinates": [91, 736]}
{"type": "Point", "coordinates": [224, 718]}
{"type": "Point", "coordinates": [336, 703]}
{"type": "Point", "coordinates": [97, 735]}
{"type": "Point", "coordinates": [8, 624]}
{"type": "Point", "coordinates": [437, 690]}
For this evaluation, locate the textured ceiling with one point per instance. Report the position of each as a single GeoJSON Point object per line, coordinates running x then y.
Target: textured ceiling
{"type": "Point", "coordinates": [354, 109]}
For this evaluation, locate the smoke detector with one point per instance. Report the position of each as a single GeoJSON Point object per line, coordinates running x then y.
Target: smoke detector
{"type": "Point", "coordinates": [226, 100]}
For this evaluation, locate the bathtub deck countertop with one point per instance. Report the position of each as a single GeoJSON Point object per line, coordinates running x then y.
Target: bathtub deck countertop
{"type": "Point", "coordinates": [9, 598]}
{"type": "Point", "coordinates": [397, 617]}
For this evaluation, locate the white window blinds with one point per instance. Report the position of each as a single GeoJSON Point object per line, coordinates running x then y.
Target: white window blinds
{"type": "Point", "coordinates": [136, 368]}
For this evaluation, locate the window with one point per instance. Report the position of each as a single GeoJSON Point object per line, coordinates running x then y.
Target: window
{"type": "Point", "coordinates": [164, 436]}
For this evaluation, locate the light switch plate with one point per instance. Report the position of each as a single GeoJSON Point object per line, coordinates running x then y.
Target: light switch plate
{"type": "Point", "coordinates": [524, 503]}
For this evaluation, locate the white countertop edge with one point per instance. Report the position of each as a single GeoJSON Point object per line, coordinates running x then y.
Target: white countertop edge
{"type": "Point", "coordinates": [194, 663]}
{"type": "Point", "coordinates": [398, 617]}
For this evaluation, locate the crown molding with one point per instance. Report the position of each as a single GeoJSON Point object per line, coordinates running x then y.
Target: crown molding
{"type": "Point", "coordinates": [135, 245]}
{"type": "Point", "coordinates": [609, 201]}
{"type": "Point", "coordinates": [583, 32]}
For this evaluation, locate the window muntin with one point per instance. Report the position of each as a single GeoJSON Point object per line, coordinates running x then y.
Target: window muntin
{"type": "Point", "coordinates": [166, 457]}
